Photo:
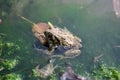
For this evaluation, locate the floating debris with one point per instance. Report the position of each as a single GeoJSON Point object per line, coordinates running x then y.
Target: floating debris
{"type": "Point", "coordinates": [118, 46]}
{"type": "Point", "coordinates": [46, 70]}
{"type": "Point", "coordinates": [1, 21]}
{"type": "Point", "coordinates": [1, 68]}
{"type": "Point", "coordinates": [70, 75]}
{"type": "Point", "coordinates": [116, 5]}
{"type": "Point", "coordinates": [96, 59]}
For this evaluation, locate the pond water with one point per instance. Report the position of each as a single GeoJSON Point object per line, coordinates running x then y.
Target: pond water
{"type": "Point", "coordinates": [94, 21]}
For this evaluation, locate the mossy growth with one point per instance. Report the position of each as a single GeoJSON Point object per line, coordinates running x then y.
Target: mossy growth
{"type": "Point", "coordinates": [104, 72]}
{"type": "Point", "coordinates": [7, 48]}
{"type": "Point", "coordinates": [34, 72]}
{"type": "Point", "coordinates": [5, 7]}
{"type": "Point", "coordinates": [9, 64]}
{"type": "Point", "coordinates": [11, 76]}
{"type": "Point", "coordinates": [53, 77]}
{"type": "Point", "coordinates": [10, 48]}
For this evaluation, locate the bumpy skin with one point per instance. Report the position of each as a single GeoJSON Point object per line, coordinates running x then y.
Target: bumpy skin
{"type": "Point", "coordinates": [54, 37]}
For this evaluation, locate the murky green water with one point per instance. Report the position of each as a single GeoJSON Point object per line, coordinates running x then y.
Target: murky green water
{"type": "Point", "coordinates": [94, 22]}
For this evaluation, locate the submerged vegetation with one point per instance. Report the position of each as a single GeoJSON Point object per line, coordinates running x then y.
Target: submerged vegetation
{"type": "Point", "coordinates": [10, 64]}
{"type": "Point", "coordinates": [6, 63]}
{"type": "Point", "coordinates": [5, 7]}
{"type": "Point", "coordinates": [106, 73]}
{"type": "Point", "coordinates": [17, 62]}
{"type": "Point", "coordinates": [11, 76]}
{"type": "Point", "coordinates": [101, 73]}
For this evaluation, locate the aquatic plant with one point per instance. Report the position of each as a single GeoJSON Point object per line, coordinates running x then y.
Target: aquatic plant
{"type": "Point", "coordinates": [5, 7]}
{"type": "Point", "coordinates": [9, 48]}
{"type": "Point", "coordinates": [35, 74]}
{"type": "Point", "coordinates": [109, 73]}
{"type": "Point", "coordinates": [6, 49]}
{"type": "Point", "coordinates": [10, 64]}
{"type": "Point", "coordinates": [11, 76]}
{"type": "Point", "coordinates": [1, 42]}
{"type": "Point", "coordinates": [53, 77]}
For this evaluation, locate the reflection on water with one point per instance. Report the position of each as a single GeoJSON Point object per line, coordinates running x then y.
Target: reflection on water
{"type": "Point", "coordinates": [116, 5]}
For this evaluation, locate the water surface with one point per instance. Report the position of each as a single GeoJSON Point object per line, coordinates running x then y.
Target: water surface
{"type": "Point", "coordinates": [94, 21]}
